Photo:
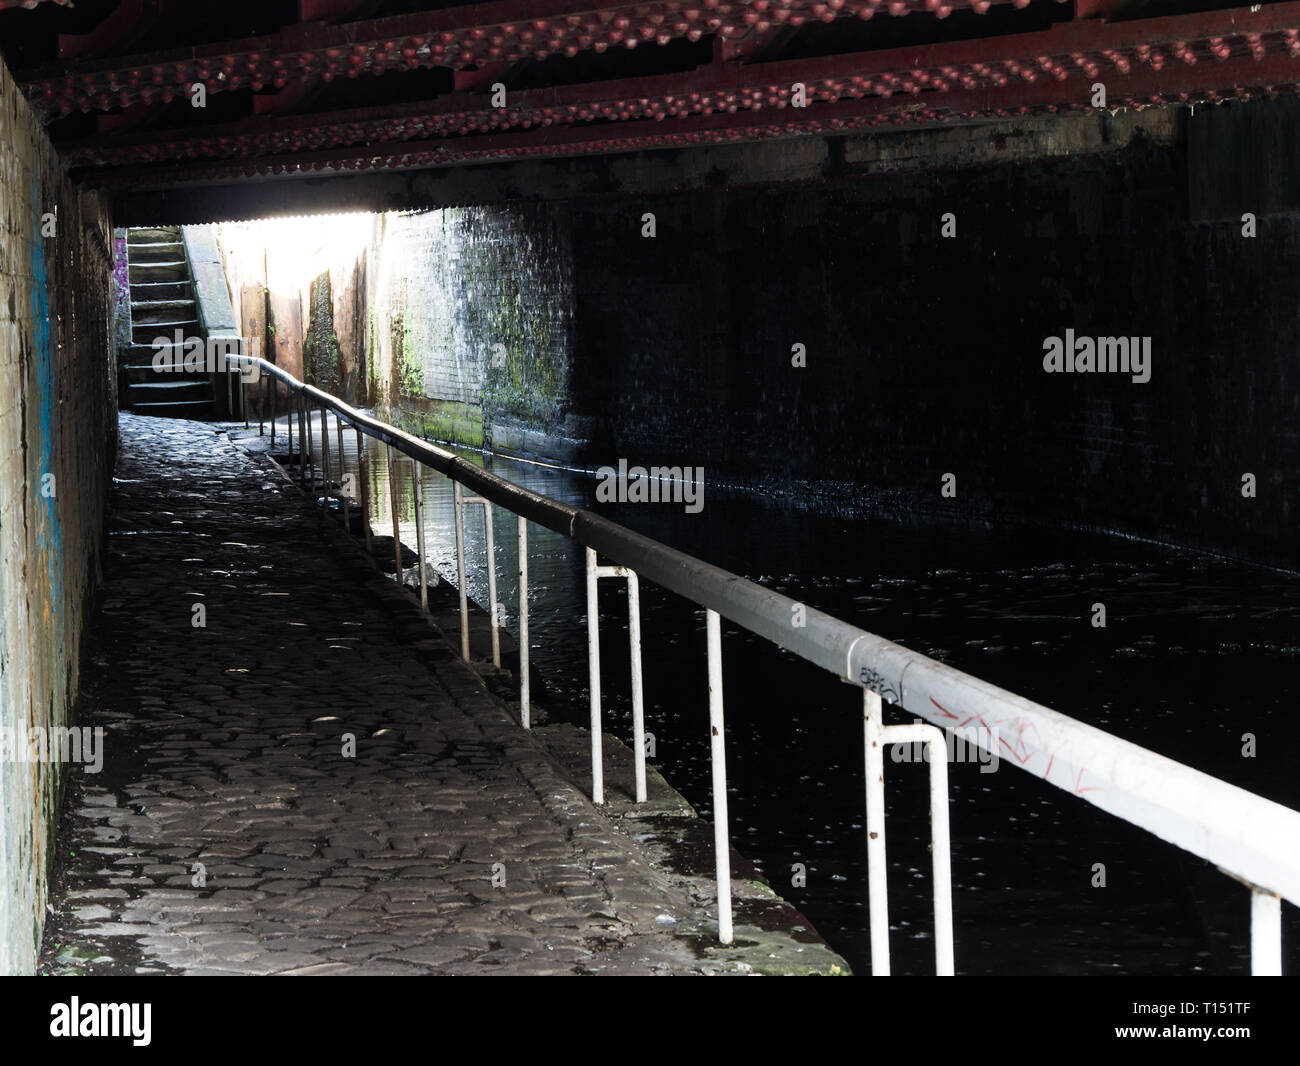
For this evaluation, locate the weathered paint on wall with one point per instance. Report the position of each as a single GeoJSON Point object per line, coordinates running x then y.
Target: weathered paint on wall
{"type": "Point", "coordinates": [57, 431]}
{"type": "Point", "coordinates": [298, 286]}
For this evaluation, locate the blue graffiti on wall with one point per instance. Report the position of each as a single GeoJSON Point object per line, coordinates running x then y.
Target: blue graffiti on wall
{"type": "Point", "coordinates": [49, 536]}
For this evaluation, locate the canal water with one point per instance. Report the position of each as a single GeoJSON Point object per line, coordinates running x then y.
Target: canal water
{"type": "Point", "coordinates": [1197, 653]}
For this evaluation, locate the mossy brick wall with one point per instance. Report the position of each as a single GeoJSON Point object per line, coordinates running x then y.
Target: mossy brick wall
{"type": "Point", "coordinates": [57, 441]}
{"type": "Point", "coordinates": [924, 353]}
{"type": "Point", "coordinates": [320, 347]}
{"type": "Point", "coordinates": [472, 319]}
{"type": "Point", "coordinates": [516, 287]}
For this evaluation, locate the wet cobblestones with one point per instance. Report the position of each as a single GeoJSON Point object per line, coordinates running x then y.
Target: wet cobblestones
{"type": "Point", "coordinates": [301, 777]}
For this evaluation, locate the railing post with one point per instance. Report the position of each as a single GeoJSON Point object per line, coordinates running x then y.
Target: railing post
{"type": "Point", "coordinates": [1265, 934]}
{"type": "Point", "coordinates": [493, 613]}
{"type": "Point", "coordinates": [275, 397]}
{"type": "Point", "coordinates": [494, 625]}
{"type": "Point", "coordinates": [721, 838]}
{"type": "Point", "coordinates": [593, 677]}
{"type": "Point", "coordinates": [877, 875]}
{"type": "Point", "coordinates": [364, 472]}
{"type": "Point", "coordinates": [524, 710]}
{"type": "Point", "coordinates": [338, 426]}
{"type": "Point", "coordinates": [634, 650]}
{"type": "Point", "coordinates": [304, 442]}
{"type": "Point", "coordinates": [325, 454]}
{"type": "Point", "coordinates": [458, 508]}
{"type": "Point", "coordinates": [418, 490]}
{"type": "Point", "coordinates": [941, 855]}
{"type": "Point", "coordinates": [289, 416]}
{"type": "Point", "coordinates": [392, 499]}
{"type": "Point", "coordinates": [877, 736]}
{"type": "Point", "coordinates": [344, 498]}
{"type": "Point", "coordinates": [638, 688]}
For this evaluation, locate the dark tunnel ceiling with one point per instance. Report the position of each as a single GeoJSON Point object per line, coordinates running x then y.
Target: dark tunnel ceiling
{"type": "Point", "coordinates": [308, 86]}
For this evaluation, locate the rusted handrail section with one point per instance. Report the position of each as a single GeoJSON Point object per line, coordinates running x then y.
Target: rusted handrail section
{"type": "Point", "coordinates": [1250, 838]}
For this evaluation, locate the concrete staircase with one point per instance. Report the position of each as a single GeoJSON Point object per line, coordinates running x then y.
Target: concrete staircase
{"type": "Point", "coordinates": [162, 301]}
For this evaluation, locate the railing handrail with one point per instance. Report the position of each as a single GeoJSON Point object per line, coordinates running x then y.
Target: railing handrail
{"type": "Point", "coordinates": [1247, 836]}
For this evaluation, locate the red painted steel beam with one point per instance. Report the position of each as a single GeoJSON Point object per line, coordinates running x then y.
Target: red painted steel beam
{"type": "Point", "coordinates": [1092, 9]}
{"type": "Point", "coordinates": [1149, 90]}
{"type": "Point", "coordinates": [289, 98]}
{"type": "Point", "coordinates": [313, 10]}
{"type": "Point", "coordinates": [118, 122]}
{"type": "Point", "coordinates": [129, 18]}
{"type": "Point", "coordinates": [474, 35]}
{"type": "Point", "coordinates": [1235, 77]}
{"type": "Point", "coordinates": [479, 80]}
{"type": "Point", "coordinates": [727, 50]}
{"type": "Point", "coordinates": [1024, 74]}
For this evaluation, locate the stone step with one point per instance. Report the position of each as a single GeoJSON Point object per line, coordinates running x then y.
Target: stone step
{"type": "Point", "coordinates": [149, 257]}
{"type": "Point", "coordinates": [141, 354]}
{"type": "Point", "coordinates": [166, 274]}
{"type": "Point", "coordinates": [160, 264]}
{"type": "Point", "coordinates": [164, 323]}
{"type": "Point", "coordinates": [145, 333]}
{"type": "Point", "coordinates": [166, 311]}
{"type": "Point", "coordinates": [161, 250]}
{"type": "Point", "coordinates": [185, 390]}
{"type": "Point", "coordinates": [146, 305]}
{"type": "Point", "coordinates": [161, 290]}
{"type": "Point", "coordinates": [199, 410]}
{"type": "Point", "coordinates": [145, 374]}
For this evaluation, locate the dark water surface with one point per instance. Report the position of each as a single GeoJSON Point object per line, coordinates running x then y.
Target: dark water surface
{"type": "Point", "coordinates": [1197, 652]}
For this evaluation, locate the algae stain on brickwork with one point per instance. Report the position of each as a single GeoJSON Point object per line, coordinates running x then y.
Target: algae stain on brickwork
{"type": "Point", "coordinates": [320, 347]}
{"type": "Point", "coordinates": [518, 306]}
{"type": "Point", "coordinates": [410, 372]}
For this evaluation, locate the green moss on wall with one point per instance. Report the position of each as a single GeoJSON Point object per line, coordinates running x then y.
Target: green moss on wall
{"type": "Point", "coordinates": [443, 421]}
{"type": "Point", "coordinates": [320, 348]}
{"type": "Point", "coordinates": [372, 359]}
{"type": "Point", "coordinates": [410, 373]}
{"type": "Point", "coordinates": [519, 311]}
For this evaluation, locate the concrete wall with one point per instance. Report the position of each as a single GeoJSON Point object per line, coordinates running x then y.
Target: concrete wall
{"type": "Point", "coordinates": [57, 441]}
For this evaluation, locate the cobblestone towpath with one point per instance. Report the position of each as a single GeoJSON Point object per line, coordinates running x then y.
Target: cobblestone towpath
{"type": "Point", "coordinates": [300, 776]}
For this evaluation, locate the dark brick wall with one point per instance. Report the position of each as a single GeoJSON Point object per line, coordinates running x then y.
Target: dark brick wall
{"type": "Point", "coordinates": [924, 354]}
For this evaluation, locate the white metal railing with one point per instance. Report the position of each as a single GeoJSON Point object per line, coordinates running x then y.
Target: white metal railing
{"type": "Point", "coordinates": [595, 572]}
{"type": "Point", "coordinates": [1248, 837]}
